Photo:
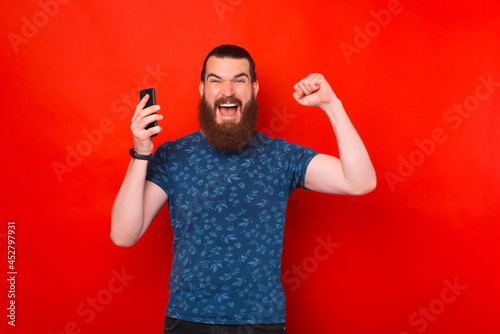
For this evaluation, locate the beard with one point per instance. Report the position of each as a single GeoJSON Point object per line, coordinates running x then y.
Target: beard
{"type": "Point", "coordinates": [228, 137]}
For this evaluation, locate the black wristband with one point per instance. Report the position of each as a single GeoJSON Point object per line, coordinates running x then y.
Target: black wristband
{"type": "Point", "coordinates": [136, 155]}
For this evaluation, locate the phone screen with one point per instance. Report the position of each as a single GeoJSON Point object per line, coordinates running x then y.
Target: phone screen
{"type": "Point", "coordinates": [151, 102]}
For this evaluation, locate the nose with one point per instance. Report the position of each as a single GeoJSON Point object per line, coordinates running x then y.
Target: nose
{"type": "Point", "coordinates": [227, 89]}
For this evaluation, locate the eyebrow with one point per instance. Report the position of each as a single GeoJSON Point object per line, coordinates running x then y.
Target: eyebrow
{"type": "Point", "coordinates": [242, 74]}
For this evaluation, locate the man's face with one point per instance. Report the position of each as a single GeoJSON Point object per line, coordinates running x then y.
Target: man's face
{"type": "Point", "coordinates": [228, 105]}
{"type": "Point", "coordinates": [228, 88]}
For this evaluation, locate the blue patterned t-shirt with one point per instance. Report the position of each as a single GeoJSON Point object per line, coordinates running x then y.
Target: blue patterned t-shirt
{"type": "Point", "coordinates": [228, 213]}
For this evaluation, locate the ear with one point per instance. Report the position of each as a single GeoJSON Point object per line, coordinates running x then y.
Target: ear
{"type": "Point", "coordinates": [255, 87]}
{"type": "Point", "coordinates": [201, 88]}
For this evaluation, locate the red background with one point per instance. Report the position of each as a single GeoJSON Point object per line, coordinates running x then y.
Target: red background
{"type": "Point", "coordinates": [68, 70]}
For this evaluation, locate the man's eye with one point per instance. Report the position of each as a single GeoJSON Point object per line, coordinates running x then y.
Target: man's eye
{"type": "Point", "coordinates": [240, 81]}
{"type": "Point", "coordinates": [214, 81]}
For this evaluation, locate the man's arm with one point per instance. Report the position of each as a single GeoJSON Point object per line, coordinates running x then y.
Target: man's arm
{"type": "Point", "coordinates": [138, 201]}
{"type": "Point", "coordinates": [353, 173]}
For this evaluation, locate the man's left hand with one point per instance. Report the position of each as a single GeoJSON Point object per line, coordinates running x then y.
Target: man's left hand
{"type": "Point", "coordinates": [314, 91]}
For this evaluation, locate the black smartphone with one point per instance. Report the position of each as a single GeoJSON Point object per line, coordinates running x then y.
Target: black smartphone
{"type": "Point", "coordinates": [151, 102]}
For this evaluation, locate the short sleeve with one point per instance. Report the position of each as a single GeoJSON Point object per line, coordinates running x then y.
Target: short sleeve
{"type": "Point", "coordinates": [298, 159]}
{"type": "Point", "coordinates": [158, 168]}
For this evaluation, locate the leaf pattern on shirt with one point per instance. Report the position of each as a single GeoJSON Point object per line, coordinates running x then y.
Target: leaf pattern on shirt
{"type": "Point", "coordinates": [227, 213]}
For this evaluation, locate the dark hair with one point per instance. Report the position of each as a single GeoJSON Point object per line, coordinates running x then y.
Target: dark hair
{"type": "Point", "coordinates": [233, 52]}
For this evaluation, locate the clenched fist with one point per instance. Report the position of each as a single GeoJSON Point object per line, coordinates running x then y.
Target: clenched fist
{"type": "Point", "coordinates": [314, 91]}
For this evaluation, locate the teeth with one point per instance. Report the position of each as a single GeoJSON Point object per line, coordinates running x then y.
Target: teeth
{"type": "Point", "coordinates": [228, 105]}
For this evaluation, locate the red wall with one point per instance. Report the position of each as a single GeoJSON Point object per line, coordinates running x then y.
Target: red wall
{"type": "Point", "coordinates": [419, 79]}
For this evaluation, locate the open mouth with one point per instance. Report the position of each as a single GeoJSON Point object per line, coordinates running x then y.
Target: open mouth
{"type": "Point", "coordinates": [228, 110]}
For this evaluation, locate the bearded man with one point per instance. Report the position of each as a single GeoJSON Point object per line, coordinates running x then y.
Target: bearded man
{"type": "Point", "coordinates": [227, 188]}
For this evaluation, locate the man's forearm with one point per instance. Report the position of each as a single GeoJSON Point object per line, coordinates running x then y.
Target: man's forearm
{"type": "Point", "coordinates": [127, 215]}
{"type": "Point", "coordinates": [356, 164]}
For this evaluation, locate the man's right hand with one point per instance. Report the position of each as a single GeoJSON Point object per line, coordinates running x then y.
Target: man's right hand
{"type": "Point", "coordinates": [143, 140]}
